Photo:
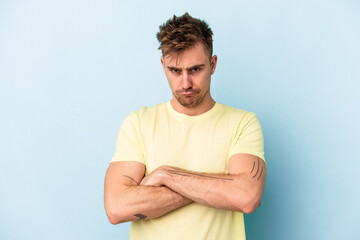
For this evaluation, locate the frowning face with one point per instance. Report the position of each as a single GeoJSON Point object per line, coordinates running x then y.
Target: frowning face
{"type": "Point", "coordinates": [189, 74]}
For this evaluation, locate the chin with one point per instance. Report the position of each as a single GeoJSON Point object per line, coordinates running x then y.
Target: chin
{"type": "Point", "coordinates": [189, 102]}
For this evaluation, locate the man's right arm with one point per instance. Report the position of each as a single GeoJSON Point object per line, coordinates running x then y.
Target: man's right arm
{"type": "Point", "coordinates": [125, 200]}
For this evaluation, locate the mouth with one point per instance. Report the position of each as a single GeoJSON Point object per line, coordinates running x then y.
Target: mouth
{"type": "Point", "coordinates": [188, 93]}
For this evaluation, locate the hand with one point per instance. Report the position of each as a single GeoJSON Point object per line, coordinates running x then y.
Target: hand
{"type": "Point", "coordinates": [156, 178]}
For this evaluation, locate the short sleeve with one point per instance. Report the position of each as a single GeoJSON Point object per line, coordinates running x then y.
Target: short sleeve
{"type": "Point", "coordinates": [128, 144]}
{"type": "Point", "coordinates": [248, 137]}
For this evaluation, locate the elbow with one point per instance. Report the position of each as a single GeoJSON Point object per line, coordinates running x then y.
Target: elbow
{"type": "Point", "coordinates": [247, 205]}
{"type": "Point", "coordinates": [113, 219]}
{"type": "Point", "coordinates": [115, 214]}
{"type": "Point", "coordinates": [249, 209]}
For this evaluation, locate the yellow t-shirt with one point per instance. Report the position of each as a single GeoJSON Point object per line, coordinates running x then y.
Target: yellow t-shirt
{"type": "Point", "coordinates": [159, 136]}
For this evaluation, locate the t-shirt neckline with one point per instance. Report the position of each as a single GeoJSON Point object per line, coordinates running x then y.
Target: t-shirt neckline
{"type": "Point", "coordinates": [197, 117]}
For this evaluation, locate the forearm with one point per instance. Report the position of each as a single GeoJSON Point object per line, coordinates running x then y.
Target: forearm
{"type": "Point", "coordinates": [224, 191]}
{"type": "Point", "coordinates": [132, 203]}
{"type": "Point", "coordinates": [239, 192]}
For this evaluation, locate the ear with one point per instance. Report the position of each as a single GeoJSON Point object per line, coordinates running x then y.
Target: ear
{"type": "Point", "coordinates": [213, 64]}
{"type": "Point", "coordinates": [162, 62]}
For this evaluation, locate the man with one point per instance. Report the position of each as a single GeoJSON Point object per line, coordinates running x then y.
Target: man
{"type": "Point", "coordinates": [188, 168]}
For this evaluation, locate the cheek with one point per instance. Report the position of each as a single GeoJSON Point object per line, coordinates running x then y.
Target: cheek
{"type": "Point", "coordinates": [205, 81]}
{"type": "Point", "coordinates": [172, 83]}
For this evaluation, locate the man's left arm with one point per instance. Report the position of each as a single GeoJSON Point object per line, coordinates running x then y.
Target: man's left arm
{"type": "Point", "coordinates": [240, 190]}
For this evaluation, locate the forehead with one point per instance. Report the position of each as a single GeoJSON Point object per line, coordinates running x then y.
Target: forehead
{"type": "Point", "coordinates": [196, 55]}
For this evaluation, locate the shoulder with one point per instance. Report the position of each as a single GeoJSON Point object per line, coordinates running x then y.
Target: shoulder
{"type": "Point", "coordinates": [146, 113]}
{"type": "Point", "coordinates": [237, 114]}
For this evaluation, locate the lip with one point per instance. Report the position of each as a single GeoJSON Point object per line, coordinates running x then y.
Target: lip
{"type": "Point", "coordinates": [188, 93]}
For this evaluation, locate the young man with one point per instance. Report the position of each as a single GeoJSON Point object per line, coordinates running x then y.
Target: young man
{"type": "Point", "coordinates": [188, 168]}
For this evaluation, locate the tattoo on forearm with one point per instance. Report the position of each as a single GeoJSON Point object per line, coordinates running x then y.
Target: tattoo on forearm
{"type": "Point", "coordinates": [258, 168]}
{"type": "Point", "coordinates": [131, 179]}
{"type": "Point", "coordinates": [140, 216]}
{"type": "Point", "coordinates": [187, 174]}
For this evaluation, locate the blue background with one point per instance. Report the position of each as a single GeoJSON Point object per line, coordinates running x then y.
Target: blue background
{"type": "Point", "coordinates": [70, 71]}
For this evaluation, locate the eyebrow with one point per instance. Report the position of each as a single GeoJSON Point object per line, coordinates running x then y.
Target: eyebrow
{"type": "Point", "coordinates": [192, 67]}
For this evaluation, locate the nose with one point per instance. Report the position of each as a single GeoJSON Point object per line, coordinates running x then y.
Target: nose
{"type": "Point", "coordinates": [186, 81]}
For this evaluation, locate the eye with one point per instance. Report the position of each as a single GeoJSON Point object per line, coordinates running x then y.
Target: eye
{"type": "Point", "coordinates": [174, 70]}
{"type": "Point", "coordinates": [195, 69]}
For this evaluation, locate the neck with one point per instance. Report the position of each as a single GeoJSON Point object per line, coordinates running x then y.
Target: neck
{"type": "Point", "coordinates": [207, 104]}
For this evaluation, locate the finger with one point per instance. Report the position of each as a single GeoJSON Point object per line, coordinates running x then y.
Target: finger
{"type": "Point", "coordinates": [144, 181]}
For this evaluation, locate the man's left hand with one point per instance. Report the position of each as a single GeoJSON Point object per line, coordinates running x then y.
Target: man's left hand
{"type": "Point", "coordinates": [156, 178]}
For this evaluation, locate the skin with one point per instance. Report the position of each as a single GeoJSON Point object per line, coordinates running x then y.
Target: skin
{"type": "Point", "coordinates": [125, 199]}
{"type": "Point", "coordinates": [130, 196]}
{"type": "Point", "coordinates": [240, 190]}
{"type": "Point", "coordinates": [189, 75]}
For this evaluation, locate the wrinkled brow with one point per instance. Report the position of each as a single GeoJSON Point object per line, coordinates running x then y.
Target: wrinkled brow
{"type": "Point", "coordinates": [192, 67]}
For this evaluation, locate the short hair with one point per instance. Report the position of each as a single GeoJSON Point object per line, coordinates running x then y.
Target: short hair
{"type": "Point", "coordinates": [181, 33]}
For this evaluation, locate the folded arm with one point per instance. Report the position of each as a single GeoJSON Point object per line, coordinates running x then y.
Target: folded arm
{"type": "Point", "coordinates": [125, 200]}
{"type": "Point", "coordinates": [240, 190]}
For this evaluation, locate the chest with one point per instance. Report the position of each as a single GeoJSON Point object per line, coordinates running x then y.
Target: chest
{"type": "Point", "coordinates": [199, 146]}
